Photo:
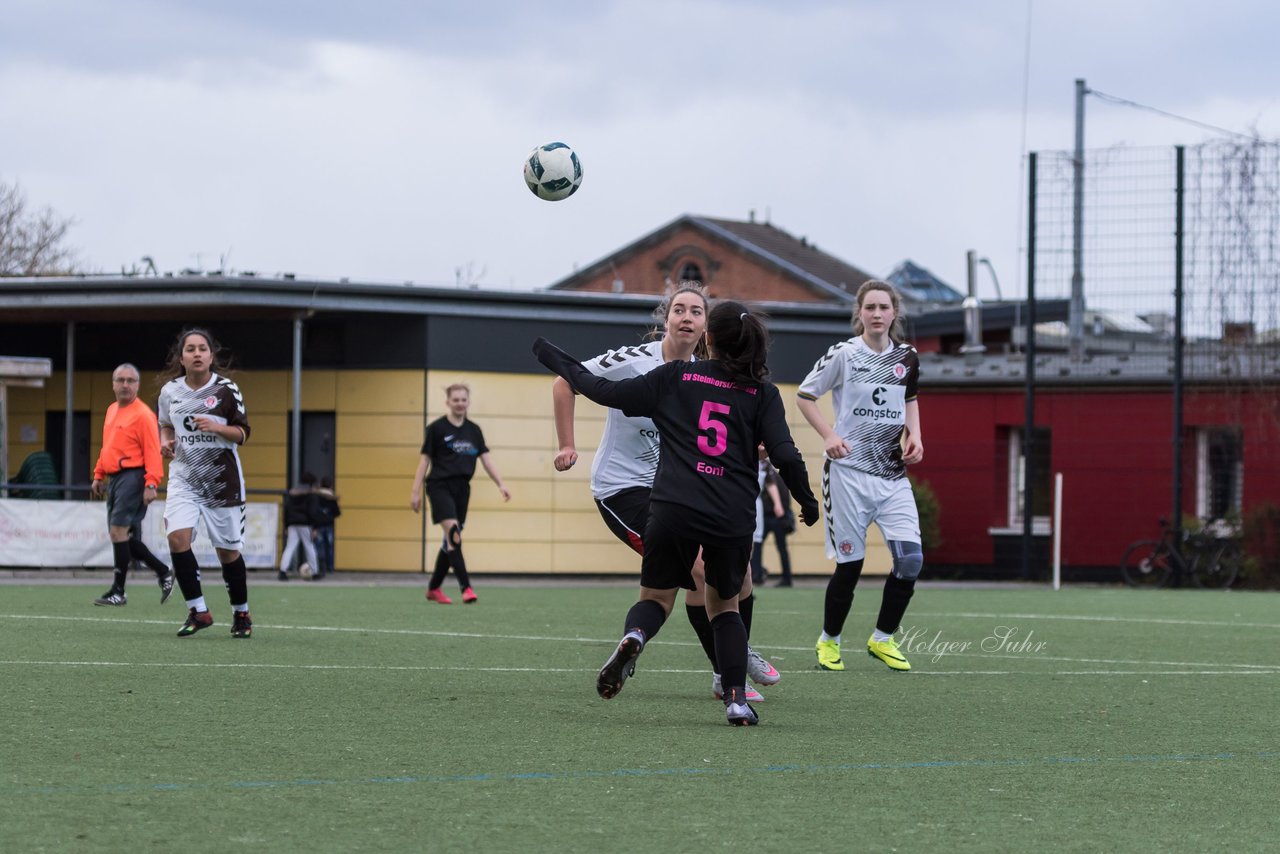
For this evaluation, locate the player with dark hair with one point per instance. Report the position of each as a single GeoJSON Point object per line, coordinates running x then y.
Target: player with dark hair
{"type": "Point", "coordinates": [130, 457]}
{"type": "Point", "coordinates": [712, 415]}
{"type": "Point", "coordinates": [872, 378]}
{"type": "Point", "coordinates": [450, 449]}
{"type": "Point", "coordinates": [202, 423]}
{"type": "Point", "coordinates": [627, 458]}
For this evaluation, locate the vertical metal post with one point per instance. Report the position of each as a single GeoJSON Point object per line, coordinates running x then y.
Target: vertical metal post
{"type": "Point", "coordinates": [1178, 242]}
{"type": "Point", "coordinates": [426, 408]}
{"type": "Point", "coordinates": [68, 423]}
{"type": "Point", "coordinates": [1076, 317]}
{"type": "Point", "coordinates": [1029, 417]}
{"type": "Point", "coordinates": [295, 422]}
{"type": "Point", "coordinates": [4, 437]}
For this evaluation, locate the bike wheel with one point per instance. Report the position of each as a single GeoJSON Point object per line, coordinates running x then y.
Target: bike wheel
{"type": "Point", "coordinates": [1147, 563]}
{"type": "Point", "coordinates": [1219, 567]}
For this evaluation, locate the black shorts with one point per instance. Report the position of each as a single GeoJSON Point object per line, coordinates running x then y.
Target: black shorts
{"type": "Point", "coordinates": [670, 550]}
{"type": "Point", "coordinates": [449, 498]}
{"type": "Point", "coordinates": [125, 508]}
{"type": "Point", "coordinates": [626, 513]}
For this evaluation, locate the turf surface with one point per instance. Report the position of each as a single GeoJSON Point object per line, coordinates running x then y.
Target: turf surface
{"type": "Point", "coordinates": [364, 718]}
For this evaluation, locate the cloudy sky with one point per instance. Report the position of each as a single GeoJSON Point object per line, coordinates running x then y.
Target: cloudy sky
{"type": "Point", "coordinates": [382, 141]}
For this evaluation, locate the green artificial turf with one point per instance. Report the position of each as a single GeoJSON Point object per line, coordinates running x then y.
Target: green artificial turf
{"type": "Point", "coordinates": [366, 719]}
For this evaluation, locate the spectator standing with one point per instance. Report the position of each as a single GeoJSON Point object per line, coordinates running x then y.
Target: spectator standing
{"type": "Point", "coordinates": [299, 511]}
{"type": "Point", "coordinates": [326, 510]}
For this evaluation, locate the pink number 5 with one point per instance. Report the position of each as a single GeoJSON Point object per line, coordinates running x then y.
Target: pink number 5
{"type": "Point", "coordinates": [719, 441]}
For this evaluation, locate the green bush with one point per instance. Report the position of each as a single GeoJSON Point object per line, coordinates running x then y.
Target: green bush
{"type": "Point", "coordinates": [930, 514]}
{"type": "Point", "coordinates": [1262, 546]}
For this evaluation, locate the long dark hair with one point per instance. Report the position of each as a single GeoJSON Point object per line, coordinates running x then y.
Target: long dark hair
{"type": "Point", "coordinates": [173, 362]}
{"type": "Point", "coordinates": [739, 340]}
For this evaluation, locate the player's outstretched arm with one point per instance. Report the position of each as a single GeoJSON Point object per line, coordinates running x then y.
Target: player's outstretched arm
{"type": "Point", "coordinates": [563, 405]}
{"type": "Point", "coordinates": [635, 396]}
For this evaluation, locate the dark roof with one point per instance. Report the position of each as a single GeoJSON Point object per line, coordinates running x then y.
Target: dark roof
{"type": "Point", "coordinates": [918, 284]}
{"type": "Point", "coordinates": [834, 279]}
{"type": "Point", "coordinates": [767, 239]}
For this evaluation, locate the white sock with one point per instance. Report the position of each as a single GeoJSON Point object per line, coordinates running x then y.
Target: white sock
{"type": "Point", "coordinates": [240, 609]}
{"type": "Point", "coordinates": [879, 636]}
{"type": "Point", "coordinates": [827, 637]}
{"type": "Point", "coordinates": [197, 603]}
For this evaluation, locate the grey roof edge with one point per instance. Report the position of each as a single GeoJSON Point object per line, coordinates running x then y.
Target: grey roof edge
{"type": "Point", "coordinates": [64, 294]}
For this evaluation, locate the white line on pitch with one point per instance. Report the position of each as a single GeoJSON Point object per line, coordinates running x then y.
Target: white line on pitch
{"type": "Point", "coordinates": [606, 641]}
{"type": "Point", "coordinates": [667, 670]}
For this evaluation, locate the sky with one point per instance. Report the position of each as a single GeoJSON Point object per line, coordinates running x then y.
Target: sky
{"type": "Point", "coordinates": [383, 141]}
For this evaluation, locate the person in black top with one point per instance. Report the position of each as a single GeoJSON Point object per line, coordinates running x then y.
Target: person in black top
{"type": "Point", "coordinates": [324, 513]}
{"type": "Point", "coordinates": [452, 445]}
{"type": "Point", "coordinates": [711, 415]}
{"type": "Point", "coordinates": [299, 507]}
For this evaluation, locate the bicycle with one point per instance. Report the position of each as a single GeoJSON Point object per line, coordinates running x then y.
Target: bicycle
{"type": "Point", "coordinates": [1206, 559]}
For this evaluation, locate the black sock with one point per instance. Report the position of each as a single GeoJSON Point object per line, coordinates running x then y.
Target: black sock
{"type": "Point", "coordinates": [702, 628]}
{"type": "Point", "coordinates": [459, 564]}
{"type": "Point", "coordinates": [236, 576]}
{"type": "Point", "coordinates": [745, 607]}
{"type": "Point", "coordinates": [897, 593]}
{"type": "Point", "coordinates": [440, 571]}
{"type": "Point", "coordinates": [840, 596]}
{"type": "Point", "coordinates": [647, 616]}
{"type": "Point", "coordinates": [731, 651]}
{"type": "Point", "coordinates": [120, 557]}
{"type": "Point", "coordinates": [138, 551]}
{"type": "Point", "coordinates": [187, 569]}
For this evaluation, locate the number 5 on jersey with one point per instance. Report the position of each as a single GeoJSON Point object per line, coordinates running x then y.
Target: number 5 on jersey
{"type": "Point", "coordinates": [715, 444]}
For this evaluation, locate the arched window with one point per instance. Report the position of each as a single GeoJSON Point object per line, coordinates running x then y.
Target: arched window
{"type": "Point", "coordinates": [690, 272]}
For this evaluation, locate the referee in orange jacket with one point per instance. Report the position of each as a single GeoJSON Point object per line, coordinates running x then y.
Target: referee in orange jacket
{"type": "Point", "coordinates": [130, 457]}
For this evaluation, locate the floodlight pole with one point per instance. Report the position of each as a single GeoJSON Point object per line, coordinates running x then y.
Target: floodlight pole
{"type": "Point", "coordinates": [1178, 248]}
{"type": "Point", "coordinates": [1076, 316]}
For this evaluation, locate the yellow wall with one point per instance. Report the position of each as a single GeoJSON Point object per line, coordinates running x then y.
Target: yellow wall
{"type": "Point", "coordinates": [551, 523]}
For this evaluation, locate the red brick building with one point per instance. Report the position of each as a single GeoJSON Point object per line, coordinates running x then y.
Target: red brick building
{"type": "Point", "coordinates": [749, 260]}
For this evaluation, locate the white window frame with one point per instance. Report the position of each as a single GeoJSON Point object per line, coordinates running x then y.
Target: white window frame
{"type": "Point", "coordinates": [1015, 472]}
{"type": "Point", "coordinates": [1204, 478]}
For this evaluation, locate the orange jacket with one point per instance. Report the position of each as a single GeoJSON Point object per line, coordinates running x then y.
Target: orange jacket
{"type": "Point", "coordinates": [130, 439]}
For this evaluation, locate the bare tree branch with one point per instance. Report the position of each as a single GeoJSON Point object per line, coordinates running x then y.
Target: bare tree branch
{"type": "Point", "coordinates": [32, 242]}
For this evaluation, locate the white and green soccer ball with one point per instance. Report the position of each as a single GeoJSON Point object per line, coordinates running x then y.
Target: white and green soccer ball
{"type": "Point", "coordinates": [553, 171]}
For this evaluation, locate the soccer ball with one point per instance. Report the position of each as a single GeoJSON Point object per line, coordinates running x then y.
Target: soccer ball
{"type": "Point", "coordinates": [305, 570]}
{"type": "Point", "coordinates": [553, 171]}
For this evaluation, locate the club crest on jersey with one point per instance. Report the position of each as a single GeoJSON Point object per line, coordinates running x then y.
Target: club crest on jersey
{"type": "Point", "coordinates": [210, 402]}
{"type": "Point", "coordinates": [846, 547]}
{"type": "Point", "coordinates": [899, 370]}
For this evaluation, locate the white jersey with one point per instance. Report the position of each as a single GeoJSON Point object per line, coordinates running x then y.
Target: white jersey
{"type": "Point", "coordinates": [205, 465]}
{"type": "Point", "coordinates": [628, 452]}
{"type": "Point", "coordinates": [869, 393]}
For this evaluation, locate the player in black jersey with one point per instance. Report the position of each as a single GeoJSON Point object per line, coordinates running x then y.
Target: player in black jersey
{"type": "Point", "coordinates": [873, 379]}
{"type": "Point", "coordinates": [452, 445]}
{"type": "Point", "coordinates": [712, 415]}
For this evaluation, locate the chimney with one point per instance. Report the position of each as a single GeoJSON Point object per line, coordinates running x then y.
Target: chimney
{"type": "Point", "coordinates": [1237, 333]}
{"type": "Point", "coordinates": [972, 306]}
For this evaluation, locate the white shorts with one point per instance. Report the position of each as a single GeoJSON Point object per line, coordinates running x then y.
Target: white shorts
{"type": "Point", "coordinates": [225, 525]}
{"type": "Point", "coordinates": [854, 499]}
